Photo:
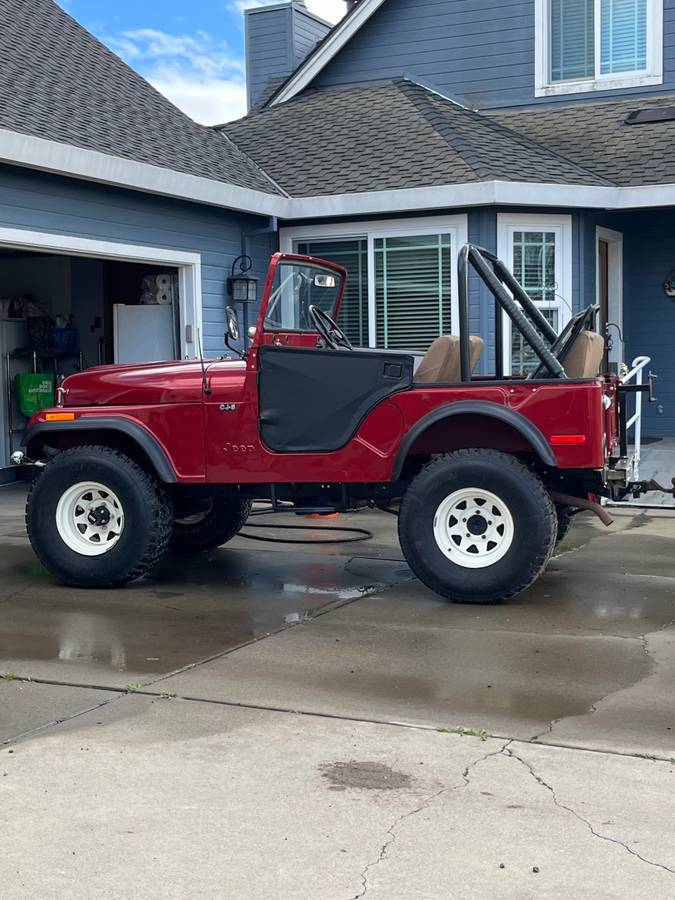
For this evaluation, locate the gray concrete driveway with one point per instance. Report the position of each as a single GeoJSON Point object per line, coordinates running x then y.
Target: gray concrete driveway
{"type": "Point", "coordinates": [276, 720]}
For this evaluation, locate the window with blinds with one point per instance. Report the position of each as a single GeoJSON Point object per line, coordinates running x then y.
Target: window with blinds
{"type": "Point", "coordinates": [413, 281]}
{"type": "Point", "coordinates": [353, 256]}
{"type": "Point", "coordinates": [623, 38]}
{"type": "Point", "coordinates": [572, 41]}
{"type": "Point", "coordinates": [534, 265]}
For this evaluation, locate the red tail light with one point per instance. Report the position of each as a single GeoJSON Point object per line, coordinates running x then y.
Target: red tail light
{"type": "Point", "coordinates": [568, 439]}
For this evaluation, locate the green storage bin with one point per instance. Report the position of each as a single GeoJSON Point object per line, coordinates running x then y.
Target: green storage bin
{"type": "Point", "coordinates": [34, 391]}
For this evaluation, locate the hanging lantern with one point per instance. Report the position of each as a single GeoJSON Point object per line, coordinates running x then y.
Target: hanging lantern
{"type": "Point", "coordinates": [242, 287]}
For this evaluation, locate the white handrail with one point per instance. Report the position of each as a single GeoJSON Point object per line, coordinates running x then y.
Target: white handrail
{"type": "Point", "coordinates": [635, 421]}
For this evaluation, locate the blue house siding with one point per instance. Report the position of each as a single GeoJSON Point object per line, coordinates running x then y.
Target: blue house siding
{"type": "Point", "coordinates": [307, 32]}
{"type": "Point", "coordinates": [40, 202]}
{"type": "Point", "coordinates": [269, 53]}
{"type": "Point", "coordinates": [482, 51]}
{"type": "Point", "coordinates": [649, 315]}
{"type": "Point", "coordinates": [278, 39]}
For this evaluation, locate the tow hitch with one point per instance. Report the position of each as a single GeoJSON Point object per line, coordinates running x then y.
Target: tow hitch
{"type": "Point", "coordinates": [638, 488]}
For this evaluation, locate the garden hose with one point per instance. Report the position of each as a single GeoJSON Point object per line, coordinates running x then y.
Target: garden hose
{"type": "Point", "coordinates": [358, 534]}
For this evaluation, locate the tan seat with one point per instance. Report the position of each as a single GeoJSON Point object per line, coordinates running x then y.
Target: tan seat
{"type": "Point", "coordinates": [585, 356]}
{"type": "Point", "coordinates": [441, 363]}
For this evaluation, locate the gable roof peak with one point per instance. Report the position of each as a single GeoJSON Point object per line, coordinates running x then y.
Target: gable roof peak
{"type": "Point", "coordinates": [358, 14]}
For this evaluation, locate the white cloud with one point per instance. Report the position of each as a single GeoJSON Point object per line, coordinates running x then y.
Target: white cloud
{"type": "Point", "coordinates": [201, 76]}
{"type": "Point", "coordinates": [330, 10]}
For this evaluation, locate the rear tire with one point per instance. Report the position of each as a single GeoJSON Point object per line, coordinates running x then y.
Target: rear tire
{"type": "Point", "coordinates": [477, 526]}
{"type": "Point", "coordinates": [96, 519]}
{"type": "Point", "coordinates": [213, 527]}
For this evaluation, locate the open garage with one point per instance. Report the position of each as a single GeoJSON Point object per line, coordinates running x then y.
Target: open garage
{"type": "Point", "coordinates": [63, 312]}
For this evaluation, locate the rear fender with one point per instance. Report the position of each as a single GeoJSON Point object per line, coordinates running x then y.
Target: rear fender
{"type": "Point", "coordinates": [502, 420]}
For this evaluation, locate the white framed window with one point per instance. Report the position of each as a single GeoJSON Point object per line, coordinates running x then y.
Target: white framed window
{"type": "Point", "coordinates": [538, 250]}
{"type": "Point", "coordinates": [402, 286]}
{"type": "Point", "coordinates": [597, 45]}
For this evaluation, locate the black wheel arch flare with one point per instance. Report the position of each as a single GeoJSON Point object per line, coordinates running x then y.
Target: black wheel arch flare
{"type": "Point", "coordinates": [485, 408]}
{"type": "Point", "coordinates": [136, 432]}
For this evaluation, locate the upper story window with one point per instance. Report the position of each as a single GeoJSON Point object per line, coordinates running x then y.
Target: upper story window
{"type": "Point", "coordinates": [596, 45]}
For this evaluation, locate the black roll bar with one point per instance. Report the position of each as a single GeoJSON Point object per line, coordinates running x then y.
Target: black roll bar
{"type": "Point", "coordinates": [504, 287]}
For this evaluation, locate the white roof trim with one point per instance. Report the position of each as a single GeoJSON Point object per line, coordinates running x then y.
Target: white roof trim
{"type": "Point", "coordinates": [333, 43]}
{"type": "Point", "coordinates": [90, 165]}
{"type": "Point", "coordinates": [454, 196]}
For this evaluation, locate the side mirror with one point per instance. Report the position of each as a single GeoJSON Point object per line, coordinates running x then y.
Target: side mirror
{"type": "Point", "coordinates": [232, 324]}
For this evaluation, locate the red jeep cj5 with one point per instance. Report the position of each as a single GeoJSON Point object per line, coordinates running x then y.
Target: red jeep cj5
{"type": "Point", "coordinates": [484, 472]}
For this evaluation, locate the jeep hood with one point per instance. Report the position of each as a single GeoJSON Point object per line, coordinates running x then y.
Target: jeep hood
{"type": "Point", "coordinates": [138, 384]}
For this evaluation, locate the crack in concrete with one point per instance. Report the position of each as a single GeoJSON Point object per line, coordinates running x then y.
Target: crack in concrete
{"type": "Point", "coordinates": [425, 804]}
{"type": "Point", "coordinates": [582, 819]}
{"type": "Point", "coordinates": [643, 639]}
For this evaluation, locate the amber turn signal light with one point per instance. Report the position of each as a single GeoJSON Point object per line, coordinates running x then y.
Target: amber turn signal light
{"type": "Point", "coordinates": [59, 417]}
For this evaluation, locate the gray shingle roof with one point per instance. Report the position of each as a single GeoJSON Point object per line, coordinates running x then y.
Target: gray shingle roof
{"type": "Point", "coordinates": [388, 136]}
{"type": "Point", "coordinates": [594, 135]}
{"type": "Point", "coordinates": [58, 82]}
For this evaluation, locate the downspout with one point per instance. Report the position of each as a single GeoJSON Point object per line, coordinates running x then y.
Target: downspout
{"type": "Point", "coordinates": [271, 228]}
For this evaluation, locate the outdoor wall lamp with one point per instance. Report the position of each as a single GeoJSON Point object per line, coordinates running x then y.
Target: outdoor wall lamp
{"type": "Point", "coordinates": [242, 287]}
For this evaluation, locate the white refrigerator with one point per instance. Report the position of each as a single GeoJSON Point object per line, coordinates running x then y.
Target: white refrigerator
{"type": "Point", "coordinates": [144, 333]}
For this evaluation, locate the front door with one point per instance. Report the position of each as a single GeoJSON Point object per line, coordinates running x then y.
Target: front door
{"type": "Point", "coordinates": [609, 262]}
{"type": "Point", "coordinates": [603, 296]}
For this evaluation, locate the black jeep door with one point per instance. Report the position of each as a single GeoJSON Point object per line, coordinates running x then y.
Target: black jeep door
{"type": "Point", "coordinates": [314, 400]}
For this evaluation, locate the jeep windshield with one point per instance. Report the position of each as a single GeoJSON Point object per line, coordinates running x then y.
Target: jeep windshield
{"type": "Point", "coordinates": [297, 286]}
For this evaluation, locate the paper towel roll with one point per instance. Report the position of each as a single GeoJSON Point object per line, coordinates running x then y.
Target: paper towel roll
{"type": "Point", "coordinates": [163, 283]}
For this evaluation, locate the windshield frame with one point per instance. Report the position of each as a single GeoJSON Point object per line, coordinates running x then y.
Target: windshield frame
{"type": "Point", "coordinates": [280, 259]}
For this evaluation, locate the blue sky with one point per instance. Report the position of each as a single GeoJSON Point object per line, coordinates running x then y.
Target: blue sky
{"type": "Point", "coordinates": [190, 50]}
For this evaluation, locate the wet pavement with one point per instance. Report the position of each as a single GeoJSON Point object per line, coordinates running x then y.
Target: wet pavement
{"type": "Point", "coordinates": [585, 657]}
{"type": "Point", "coordinates": [190, 609]}
{"type": "Point", "coordinates": [304, 704]}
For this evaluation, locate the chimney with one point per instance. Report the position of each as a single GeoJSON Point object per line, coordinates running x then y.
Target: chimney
{"type": "Point", "coordinates": [278, 39]}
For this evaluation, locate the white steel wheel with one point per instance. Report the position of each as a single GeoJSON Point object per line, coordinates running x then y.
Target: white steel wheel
{"type": "Point", "coordinates": [89, 518]}
{"type": "Point", "coordinates": [474, 528]}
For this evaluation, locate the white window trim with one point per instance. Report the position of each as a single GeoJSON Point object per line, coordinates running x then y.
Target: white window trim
{"type": "Point", "coordinates": [188, 264]}
{"type": "Point", "coordinates": [507, 224]}
{"type": "Point", "coordinates": [615, 241]}
{"type": "Point", "coordinates": [455, 226]}
{"type": "Point", "coordinates": [653, 74]}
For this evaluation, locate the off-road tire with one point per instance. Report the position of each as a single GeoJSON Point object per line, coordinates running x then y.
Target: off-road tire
{"type": "Point", "coordinates": [517, 487]}
{"type": "Point", "coordinates": [148, 518]}
{"type": "Point", "coordinates": [223, 521]}
{"type": "Point", "coordinates": [564, 514]}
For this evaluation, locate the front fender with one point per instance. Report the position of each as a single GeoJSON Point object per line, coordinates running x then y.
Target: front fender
{"type": "Point", "coordinates": [39, 430]}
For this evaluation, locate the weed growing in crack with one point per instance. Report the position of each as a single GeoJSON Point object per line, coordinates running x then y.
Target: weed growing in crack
{"type": "Point", "coordinates": [465, 732]}
{"type": "Point", "coordinates": [9, 676]}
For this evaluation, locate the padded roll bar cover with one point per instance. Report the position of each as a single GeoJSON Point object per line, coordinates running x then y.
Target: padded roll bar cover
{"type": "Point", "coordinates": [485, 408]}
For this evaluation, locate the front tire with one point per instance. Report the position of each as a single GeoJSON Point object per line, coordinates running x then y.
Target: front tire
{"type": "Point", "coordinates": [564, 514]}
{"type": "Point", "coordinates": [96, 519]}
{"type": "Point", "coordinates": [477, 526]}
{"type": "Point", "coordinates": [221, 520]}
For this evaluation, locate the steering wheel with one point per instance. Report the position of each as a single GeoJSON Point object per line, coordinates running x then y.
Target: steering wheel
{"type": "Point", "coordinates": [329, 330]}
{"type": "Point", "coordinates": [563, 343]}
